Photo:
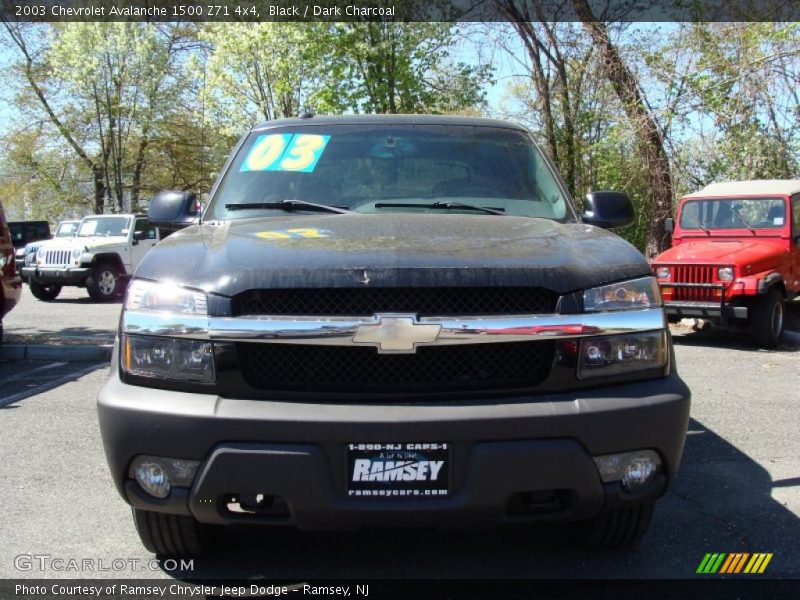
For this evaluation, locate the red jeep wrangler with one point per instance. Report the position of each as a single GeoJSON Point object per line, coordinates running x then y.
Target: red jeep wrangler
{"type": "Point", "coordinates": [735, 256]}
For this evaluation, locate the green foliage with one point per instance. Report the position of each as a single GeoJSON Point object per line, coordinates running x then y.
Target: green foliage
{"type": "Point", "coordinates": [256, 72]}
{"type": "Point", "coordinates": [388, 67]}
{"type": "Point", "coordinates": [740, 103]}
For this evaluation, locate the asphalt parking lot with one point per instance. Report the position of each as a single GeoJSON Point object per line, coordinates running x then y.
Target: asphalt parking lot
{"type": "Point", "coordinates": [738, 488]}
{"type": "Point", "coordinates": [72, 317]}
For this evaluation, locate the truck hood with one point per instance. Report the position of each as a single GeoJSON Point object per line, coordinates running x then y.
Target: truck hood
{"type": "Point", "coordinates": [354, 250]}
{"type": "Point", "coordinates": [721, 252]}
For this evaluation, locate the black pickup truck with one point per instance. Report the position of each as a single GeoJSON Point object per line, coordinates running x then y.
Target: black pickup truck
{"type": "Point", "coordinates": [383, 321]}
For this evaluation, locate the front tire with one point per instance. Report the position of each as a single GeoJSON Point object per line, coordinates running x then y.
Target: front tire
{"type": "Point", "coordinates": [619, 528]}
{"type": "Point", "coordinates": [104, 285]}
{"type": "Point", "coordinates": [766, 323]}
{"type": "Point", "coordinates": [172, 535]}
{"type": "Point", "coordinates": [46, 293]}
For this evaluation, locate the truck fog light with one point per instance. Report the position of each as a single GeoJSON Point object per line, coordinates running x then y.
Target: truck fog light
{"type": "Point", "coordinates": [632, 469]}
{"type": "Point", "coordinates": [639, 471]}
{"type": "Point", "coordinates": [153, 479]}
{"type": "Point", "coordinates": [158, 474]}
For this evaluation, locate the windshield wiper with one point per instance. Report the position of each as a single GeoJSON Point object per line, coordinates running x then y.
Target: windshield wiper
{"type": "Point", "coordinates": [442, 206]}
{"type": "Point", "coordinates": [699, 224]}
{"type": "Point", "coordinates": [742, 219]}
{"type": "Point", "coordinates": [288, 204]}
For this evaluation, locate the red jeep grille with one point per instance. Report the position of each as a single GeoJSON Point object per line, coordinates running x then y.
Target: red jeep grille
{"type": "Point", "coordinates": [694, 275]}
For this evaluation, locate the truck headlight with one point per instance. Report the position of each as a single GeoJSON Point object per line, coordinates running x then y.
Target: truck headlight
{"type": "Point", "coordinates": [164, 297]}
{"type": "Point", "coordinates": [625, 353]}
{"type": "Point", "coordinates": [168, 358]}
{"type": "Point", "coordinates": [76, 254]}
{"type": "Point", "coordinates": [625, 295]}
{"type": "Point", "coordinates": [164, 357]}
{"type": "Point", "coordinates": [725, 273]}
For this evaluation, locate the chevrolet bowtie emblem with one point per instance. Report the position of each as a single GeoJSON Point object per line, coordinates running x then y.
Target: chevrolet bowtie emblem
{"type": "Point", "coordinates": [396, 334]}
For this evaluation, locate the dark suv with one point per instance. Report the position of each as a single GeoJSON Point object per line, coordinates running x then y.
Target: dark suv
{"type": "Point", "coordinates": [391, 321]}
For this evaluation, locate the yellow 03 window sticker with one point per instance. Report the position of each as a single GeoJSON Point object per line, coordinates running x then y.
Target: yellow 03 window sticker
{"type": "Point", "coordinates": [299, 152]}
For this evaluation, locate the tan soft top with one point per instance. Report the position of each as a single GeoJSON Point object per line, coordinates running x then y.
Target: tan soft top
{"type": "Point", "coordinates": [755, 187]}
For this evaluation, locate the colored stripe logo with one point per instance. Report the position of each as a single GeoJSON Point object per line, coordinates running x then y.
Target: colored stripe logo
{"type": "Point", "coordinates": [733, 563]}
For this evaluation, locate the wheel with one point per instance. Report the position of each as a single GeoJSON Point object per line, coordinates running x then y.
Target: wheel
{"type": "Point", "coordinates": [619, 528]}
{"type": "Point", "coordinates": [104, 283]}
{"type": "Point", "coordinates": [172, 535]}
{"type": "Point", "coordinates": [766, 322]}
{"type": "Point", "coordinates": [44, 292]}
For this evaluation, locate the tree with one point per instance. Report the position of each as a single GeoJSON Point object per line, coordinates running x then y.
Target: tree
{"type": "Point", "coordinates": [120, 74]}
{"type": "Point", "coordinates": [35, 71]}
{"type": "Point", "coordinates": [390, 67]}
{"type": "Point", "coordinates": [102, 87]}
{"type": "Point", "coordinates": [648, 134]}
{"type": "Point", "coordinates": [260, 71]}
{"type": "Point", "coordinates": [558, 63]}
{"type": "Point", "coordinates": [739, 100]}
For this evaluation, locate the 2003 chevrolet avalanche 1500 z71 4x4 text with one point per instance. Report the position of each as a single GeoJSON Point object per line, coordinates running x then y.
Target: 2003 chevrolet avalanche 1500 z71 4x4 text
{"type": "Point", "coordinates": [391, 321]}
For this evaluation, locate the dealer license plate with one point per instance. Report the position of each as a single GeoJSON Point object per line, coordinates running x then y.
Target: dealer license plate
{"type": "Point", "coordinates": [398, 470]}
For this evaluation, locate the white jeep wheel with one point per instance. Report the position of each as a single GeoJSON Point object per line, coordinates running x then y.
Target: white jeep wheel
{"type": "Point", "coordinates": [104, 284]}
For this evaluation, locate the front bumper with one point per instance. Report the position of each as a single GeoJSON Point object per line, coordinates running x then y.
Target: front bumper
{"type": "Point", "coordinates": [56, 275]}
{"type": "Point", "coordinates": [295, 451]}
{"type": "Point", "coordinates": [705, 310]}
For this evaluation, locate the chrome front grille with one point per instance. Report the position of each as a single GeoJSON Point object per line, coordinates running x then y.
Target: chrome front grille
{"type": "Point", "coordinates": [57, 258]}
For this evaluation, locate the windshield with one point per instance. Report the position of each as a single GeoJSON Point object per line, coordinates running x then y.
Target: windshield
{"type": "Point", "coordinates": [67, 229]}
{"type": "Point", "coordinates": [734, 213]}
{"type": "Point", "coordinates": [108, 226]}
{"type": "Point", "coordinates": [391, 168]}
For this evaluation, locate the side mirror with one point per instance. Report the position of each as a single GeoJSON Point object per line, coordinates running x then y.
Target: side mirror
{"type": "Point", "coordinates": [609, 210]}
{"type": "Point", "coordinates": [139, 236]}
{"type": "Point", "coordinates": [669, 224]}
{"type": "Point", "coordinates": [173, 210]}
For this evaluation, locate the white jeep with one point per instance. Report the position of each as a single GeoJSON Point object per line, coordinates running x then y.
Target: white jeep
{"type": "Point", "coordinates": [101, 257]}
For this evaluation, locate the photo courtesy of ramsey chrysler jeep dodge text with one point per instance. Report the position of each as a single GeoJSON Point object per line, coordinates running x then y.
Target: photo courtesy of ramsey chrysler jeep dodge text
{"type": "Point", "coordinates": [383, 321]}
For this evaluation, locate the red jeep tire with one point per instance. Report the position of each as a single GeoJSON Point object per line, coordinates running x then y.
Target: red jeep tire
{"type": "Point", "coordinates": [766, 322]}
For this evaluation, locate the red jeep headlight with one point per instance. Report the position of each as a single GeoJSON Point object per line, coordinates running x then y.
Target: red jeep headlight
{"type": "Point", "coordinates": [725, 273]}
